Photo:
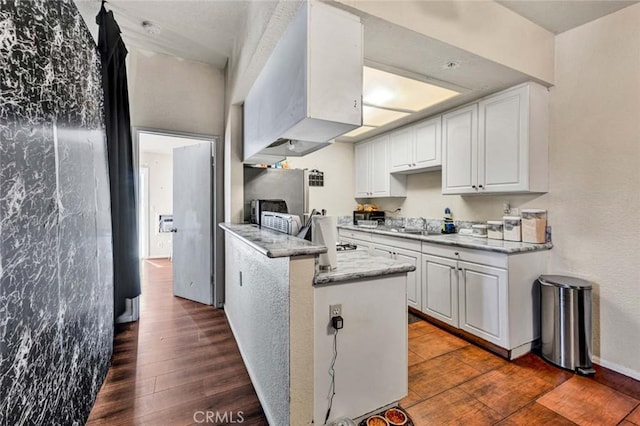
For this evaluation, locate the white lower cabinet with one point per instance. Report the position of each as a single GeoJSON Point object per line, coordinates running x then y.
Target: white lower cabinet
{"type": "Point", "coordinates": [413, 278]}
{"type": "Point", "coordinates": [440, 289]}
{"type": "Point", "coordinates": [483, 303]}
{"type": "Point", "coordinates": [490, 295]}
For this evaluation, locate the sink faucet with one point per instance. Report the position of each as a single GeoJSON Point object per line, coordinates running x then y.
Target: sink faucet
{"type": "Point", "coordinates": [424, 223]}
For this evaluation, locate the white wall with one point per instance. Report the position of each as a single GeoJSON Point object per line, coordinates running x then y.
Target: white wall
{"type": "Point", "coordinates": [594, 196]}
{"type": "Point", "coordinates": [336, 161]}
{"type": "Point", "coordinates": [170, 93]}
{"type": "Point", "coordinates": [594, 190]}
{"type": "Point", "coordinates": [160, 200]}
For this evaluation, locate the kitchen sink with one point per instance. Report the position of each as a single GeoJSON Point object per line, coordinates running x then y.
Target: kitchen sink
{"type": "Point", "coordinates": [413, 231]}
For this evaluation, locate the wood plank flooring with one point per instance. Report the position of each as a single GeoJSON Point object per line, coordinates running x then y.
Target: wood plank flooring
{"type": "Point", "coordinates": [179, 361]}
{"type": "Point", "coordinates": [454, 382]}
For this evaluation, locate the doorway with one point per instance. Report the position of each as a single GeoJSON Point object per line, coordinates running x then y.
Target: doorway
{"type": "Point", "coordinates": [157, 187]}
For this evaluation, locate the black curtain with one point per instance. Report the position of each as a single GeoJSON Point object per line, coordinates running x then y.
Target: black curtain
{"type": "Point", "coordinates": [126, 274]}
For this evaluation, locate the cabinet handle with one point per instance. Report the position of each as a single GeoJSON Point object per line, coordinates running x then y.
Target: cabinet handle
{"type": "Point", "coordinates": [473, 186]}
{"type": "Point", "coordinates": [456, 254]}
{"type": "Point", "coordinates": [480, 186]}
{"type": "Point", "coordinates": [459, 269]}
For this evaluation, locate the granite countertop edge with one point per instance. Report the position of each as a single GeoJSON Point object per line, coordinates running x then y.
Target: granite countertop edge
{"type": "Point", "coordinates": [334, 277]}
{"type": "Point", "coordinates": [271, 243]}
{"type": "Point", "coordinates": [456, 240]}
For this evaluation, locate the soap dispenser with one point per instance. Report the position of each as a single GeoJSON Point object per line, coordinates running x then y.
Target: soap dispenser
{"type": "Point", "coordinates": [447, 226]}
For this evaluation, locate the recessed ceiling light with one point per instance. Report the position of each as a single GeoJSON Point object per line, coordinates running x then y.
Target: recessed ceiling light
{"type": "Point", "coordinates": [388, 97]}
{"type": "Point", "coordinates": [372, 116]}
{"type": "Point", "coordinates": [358, 131]}
{"type": "Point", "coordinates": [150, 28]}
{"type": "Point", "coordinates": [392, 91]}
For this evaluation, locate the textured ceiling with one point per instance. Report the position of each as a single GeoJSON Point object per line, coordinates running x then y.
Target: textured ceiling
{"type": "Point", "coordinates": [202, 31]}
{"type": "Point", "coordinates": [558, 16]}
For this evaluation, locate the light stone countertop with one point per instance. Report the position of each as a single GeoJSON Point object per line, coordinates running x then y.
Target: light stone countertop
{"type": "Point", "coordinates": [272, 243]}
{"type": "Point", "coordinates": [357, 264]}
{"type": "Point", "coordinates": [456, 240]}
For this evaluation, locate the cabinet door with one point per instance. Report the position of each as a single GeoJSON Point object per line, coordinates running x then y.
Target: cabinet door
{"type": "Point", "coordinates": [440, 288]}
{"type": "Point", "coordinates": [383, 251]}
{"type": "Point", "coordinates": [427, 144]}
{"type": "Point", "coordinates": [362, 169]}
{"type": "Point", "coordinates": [460, 151]}
{"type": "Point", "coordinates": [401, 150]}
{"type": "Point", "coordinates": [483, 302]}
{"type": "Point", "coordinates": [503, 148]}
{"type": "Point", "coordinates": [380, 167]}
{"type": "Point", "coordinates": [414, 282]}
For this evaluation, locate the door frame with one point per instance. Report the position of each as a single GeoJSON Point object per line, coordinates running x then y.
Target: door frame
{"type": "Point", "coordinates": [143, 214]}
{"type": "Point", "coordinates": [217, 150]}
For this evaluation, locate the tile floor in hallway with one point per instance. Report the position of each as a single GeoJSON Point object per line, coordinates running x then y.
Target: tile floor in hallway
{"type": "Point", "coordinates": [454, 382]}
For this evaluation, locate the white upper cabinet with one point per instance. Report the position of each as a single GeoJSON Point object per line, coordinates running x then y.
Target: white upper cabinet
{"type": "Point", "coordinates": [460, 151]}
{"type": "Point", "coordinates": [372, 175]}
{"type": "Point", "coordinates": [416, 148]}
{"type": "Point", "coordinates": [499, 145]}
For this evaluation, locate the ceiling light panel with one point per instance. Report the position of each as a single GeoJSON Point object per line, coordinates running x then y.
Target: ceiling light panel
{"type": "Point", "coordinates": [387, 90]}
{"type": "Point", "coordinates": [359, 131]}
{"type": "Point", "coordinates": [375, 117]}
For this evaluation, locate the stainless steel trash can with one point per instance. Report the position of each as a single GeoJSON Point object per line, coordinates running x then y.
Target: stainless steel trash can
{"type": "Point", "coordinates": [565, 328]}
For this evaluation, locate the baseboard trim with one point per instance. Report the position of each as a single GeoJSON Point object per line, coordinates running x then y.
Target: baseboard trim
{"type": "Point", "coordinates": [617, 368]}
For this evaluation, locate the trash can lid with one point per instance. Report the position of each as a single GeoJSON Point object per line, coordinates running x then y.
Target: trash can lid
{"type": "Point", "coordinates": [564, 281]}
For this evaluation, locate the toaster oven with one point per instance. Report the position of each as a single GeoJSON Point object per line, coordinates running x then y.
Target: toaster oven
{"type": "Point", "coordinates": [363, 215]}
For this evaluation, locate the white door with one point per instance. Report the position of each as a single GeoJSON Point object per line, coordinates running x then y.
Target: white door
{"type": "Point", "coordinates": [460, 151]}
{"type": "Point", "coordinates": [440, 289]}
{"type": "Point", "coordinates": [414, 282]}
{"type": "Point", "coordinates": [380, 167]}
{"type": "Point", "coordinates": [427, 143]}
{"type": "Point", "coordinates": [362, 170]}
{"type": "Point", "coordinates": [483, 302]}
{"type": "Point", "coordinates": [502, 142]}
{"type": "Point", "coordinates": [192, 219]}
{"type": "Point", "coordinates": [401, 150]}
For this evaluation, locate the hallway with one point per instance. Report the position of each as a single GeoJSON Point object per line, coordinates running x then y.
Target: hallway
{"type": "Point", "coordinates": [175, 366]}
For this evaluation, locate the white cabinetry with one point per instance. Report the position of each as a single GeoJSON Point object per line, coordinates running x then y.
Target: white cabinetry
{"type": "Point", "coordinates": [440, 289]}
{"type": "Point", "coordinates": [460, 151]}
{"type": "Point", "coordinates": [489, 295]}
{"type": "Point", "coordinates": [498, 145]}
{"type": "Point", "coordinates": [483, 304]}
{"type": "Point", "coordinates": [372, 175]}
{"type": "Point", "coordinates": [413, 278]}
{"type": "Point", "coordinates": [416, 148]}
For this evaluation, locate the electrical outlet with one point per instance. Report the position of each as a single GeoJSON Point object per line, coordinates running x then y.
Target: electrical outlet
{"type": "Point", "coordinates": [335, 311]}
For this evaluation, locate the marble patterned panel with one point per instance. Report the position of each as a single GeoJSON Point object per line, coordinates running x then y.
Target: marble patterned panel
{"type": "Point", "coordinates": [56, 278]}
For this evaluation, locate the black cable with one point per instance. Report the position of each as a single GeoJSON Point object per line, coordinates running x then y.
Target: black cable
{"type": "Point", "coordinates": [332, 373]}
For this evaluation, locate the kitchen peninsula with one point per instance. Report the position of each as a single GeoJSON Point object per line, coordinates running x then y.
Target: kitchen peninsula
{"type": "Point", "coordinates": [277, 304]}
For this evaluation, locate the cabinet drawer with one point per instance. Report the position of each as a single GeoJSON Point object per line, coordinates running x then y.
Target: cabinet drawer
{"type": "Point", "coordinates": [488, 258]}
{"type": "Point", "coordinates": [355, 235]}
{"type": "Point", "coordinates": [398, 242]}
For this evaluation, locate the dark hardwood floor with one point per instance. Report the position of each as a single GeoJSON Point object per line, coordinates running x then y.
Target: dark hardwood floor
{"type": "Point", "coordinates": [177, 365]}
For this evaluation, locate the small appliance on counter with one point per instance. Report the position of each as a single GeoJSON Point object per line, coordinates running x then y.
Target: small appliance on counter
{"type": "Point", "coordinates": [359, 215]}
{"type": "Point", "coordinates": [259, 206]}
{"type": "Point", "coordinates": [281, 222]}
